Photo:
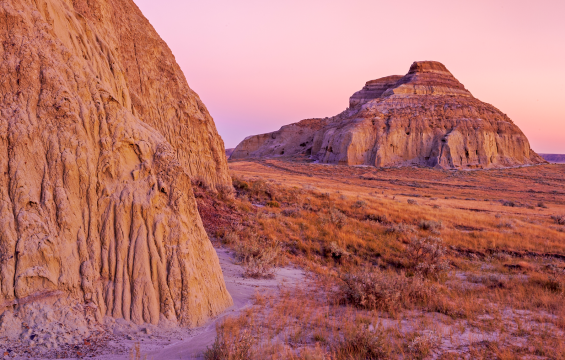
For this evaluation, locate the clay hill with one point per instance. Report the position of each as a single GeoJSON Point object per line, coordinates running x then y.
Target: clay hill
{"type": "Point", "coordinates": [100, 137]}
{"type": "Point", "coordinates": [425, 118]}
{"type": "Point", "coordinates": [554, 158]}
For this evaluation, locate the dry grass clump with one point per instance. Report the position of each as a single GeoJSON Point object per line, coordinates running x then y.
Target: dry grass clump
{"type": "Point", "coordinates": [422, 345]}
{"type": "Point", "coordinates": [359, 204]}
{"type": "Point", "coordinates": [552, 283]}
{"type": "Point", "coordinates": [400, 228]}
{"type": "Point", "coordinates": [380, 218]}
{"type": "Point", "coordinates": [225, 192]}
{"type": "Point", "coordinates": [360, 343]}
{"type": "Point", "coordinates": [230, 237]}
{"type": "Point", "coordinates": [333, 216]}
{"type": "Point", "coordinates": [559, 219]}
{"type": "Point", "coordinates": [232, 342]}
{"type": "Point", "coordinates": [427, 256]}
{"type": "Point", "coordinates": [505, 224]}
{"type": "Point", "coordinates": [379, 290]}
{"type": "Point", "coordinates": [259, 256]}
{"type": "Point", "coordinates": [294, 212]}
{"type": "Point", "coordinates": [273, 204]}
{"type": "Point", "coordinates": [336, 252]}
{"type": "Point", "coordinates": [430, 225]}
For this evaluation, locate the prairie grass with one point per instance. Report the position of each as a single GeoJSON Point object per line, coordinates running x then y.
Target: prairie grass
{"type": "Point", "coordinates": [467, 263]}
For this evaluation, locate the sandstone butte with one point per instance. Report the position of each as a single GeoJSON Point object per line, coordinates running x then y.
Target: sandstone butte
{"type": "Point", "coordinates": [100, 137]}
{"type": "Point", "coordinates": [425, 118]}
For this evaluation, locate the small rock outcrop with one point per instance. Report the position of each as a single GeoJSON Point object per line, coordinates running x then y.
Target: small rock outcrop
{"type": "Point", "coordinates": [425, 118]}
{"type": "Point", "coordinates": [99, 138]}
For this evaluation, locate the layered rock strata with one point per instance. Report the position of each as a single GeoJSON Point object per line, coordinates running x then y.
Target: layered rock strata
{"type": "Point", "coordinates": [99, 138]}
{"type": "Point", "coordinates": [425, 118]}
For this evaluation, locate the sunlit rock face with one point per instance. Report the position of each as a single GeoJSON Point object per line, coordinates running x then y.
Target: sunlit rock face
{"type": "Point", "coordinates": [100, 136]}
{"type": "Point", "coordinates": [424, 118]}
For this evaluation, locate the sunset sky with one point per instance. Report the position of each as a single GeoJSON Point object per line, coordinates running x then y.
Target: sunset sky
{"type": "Point", "coordinates": [258, 65]}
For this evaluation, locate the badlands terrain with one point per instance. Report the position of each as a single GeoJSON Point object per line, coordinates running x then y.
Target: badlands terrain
{"type": "Point", "coordinates": [125, 232]}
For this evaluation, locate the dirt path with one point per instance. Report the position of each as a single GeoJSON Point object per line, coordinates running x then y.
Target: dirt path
{"type": "Point", "coordinates": [242, 291]}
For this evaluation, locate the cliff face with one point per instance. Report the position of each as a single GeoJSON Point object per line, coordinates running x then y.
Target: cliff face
{"type": "Point", "coordinates": [100, 136]}
{"type": "Point", "coordinates": [158, 91]}
{"type": "Point", "coordinates": [424, 118]}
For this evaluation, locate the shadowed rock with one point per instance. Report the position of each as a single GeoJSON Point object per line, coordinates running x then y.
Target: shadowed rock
{"type": "Point", "coordinates": [425, 118]}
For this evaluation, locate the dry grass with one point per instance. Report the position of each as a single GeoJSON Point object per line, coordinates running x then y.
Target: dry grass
{"type": "Point", "coordinates": [468, 263]}
{"type": "Point", "coordinates": [387, 291]}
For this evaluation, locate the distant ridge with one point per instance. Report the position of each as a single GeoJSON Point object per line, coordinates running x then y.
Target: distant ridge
{"type": "Point", "coordinates": [229, 152]}
{"type": "Point", "coordinates": [554, 158]}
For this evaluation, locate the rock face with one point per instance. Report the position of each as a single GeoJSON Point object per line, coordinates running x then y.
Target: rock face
{"type": "Point", "coordinates": [424, 118]}
{"type": "Point", "coordinates": [99, 138]}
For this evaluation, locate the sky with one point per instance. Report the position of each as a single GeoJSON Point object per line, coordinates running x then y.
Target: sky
{"type": "Point", "coordinates": [258, 65]}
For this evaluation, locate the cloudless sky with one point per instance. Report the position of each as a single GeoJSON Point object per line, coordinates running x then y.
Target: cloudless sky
{"type": "Point", "coordinates": [261, 64]}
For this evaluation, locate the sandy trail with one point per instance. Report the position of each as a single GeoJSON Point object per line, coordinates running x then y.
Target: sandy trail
{"type": "Point", "coordinates": [242, 290]}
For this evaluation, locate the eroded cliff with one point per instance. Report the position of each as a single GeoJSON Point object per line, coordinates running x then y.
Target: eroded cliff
{"type": "Point", "coordinates": [425, 118]}
{"type": "Point", "coordinates": [100, 136]}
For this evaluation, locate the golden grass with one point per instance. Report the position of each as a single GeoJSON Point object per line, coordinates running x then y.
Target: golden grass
{"type": "Point", "coordinates": [506, 279]}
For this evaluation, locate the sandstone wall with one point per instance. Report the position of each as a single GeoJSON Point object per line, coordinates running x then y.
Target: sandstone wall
{"type": "Point", "coordinates": [158, 91]}
{"type": "Point", "coordinates": [95, 203]}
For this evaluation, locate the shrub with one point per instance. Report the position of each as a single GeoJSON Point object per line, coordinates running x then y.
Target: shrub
{"type": "Point", "coordinates": [542, 205]}
{"type": "Point", "coordinates": [359, 204]}
{"type": "Point", "coordinates": [361, 343]}
{"type": "Point", "coordinates": [377, 290]}
{"type": "Point", "coordinates": [239, 184]}
{"type": "Point", "coordinates": [559, 219]}
{"type": "Point", "coordinates": [230, 237]}
{"type": "Point", "coordinates": [258, 256]}
{"type": "Point", "coordinates": [273, 204]}
{"type": "Point", "coordinates": [509, 203]}
{"type": "Point", "coordinates": [225, 192]}
{"type": "Point", "coordinates": [427, 256]}
{"type": "Point", "coordinates": [377, 218]}
{"type": "Point", "coordinates": [431, 225]}
{"type": "Point", "coordinates": [338, 218]}
{"type": "Point", "coordinates": [549, 283]}
{"type": "Point", "coordinates": [412, 202]}
{"type": "Point", "coordinates": [334, 217]}
{"type": "Point", "coordinates": [335, 251]}
{"type": "Point", "coordinates": [421, 346]}
{"type": "Point", "coordinates": [291, 212]}
{"type": "Point", "coordinates": [400, 228]}
{"type": "Point", "coordinates": [505, 224]}
{"type": "Point", "coordinates": [230, 345]}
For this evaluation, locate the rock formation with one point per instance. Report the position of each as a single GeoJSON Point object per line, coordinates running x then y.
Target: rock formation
{"type": "Point", "coordinates": [424, 118]}
{"type": "Point", "coordinates": [99, 138]}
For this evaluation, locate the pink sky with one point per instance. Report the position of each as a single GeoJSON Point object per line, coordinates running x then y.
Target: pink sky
{"type": "Point", "coordinates": [258, 65]}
